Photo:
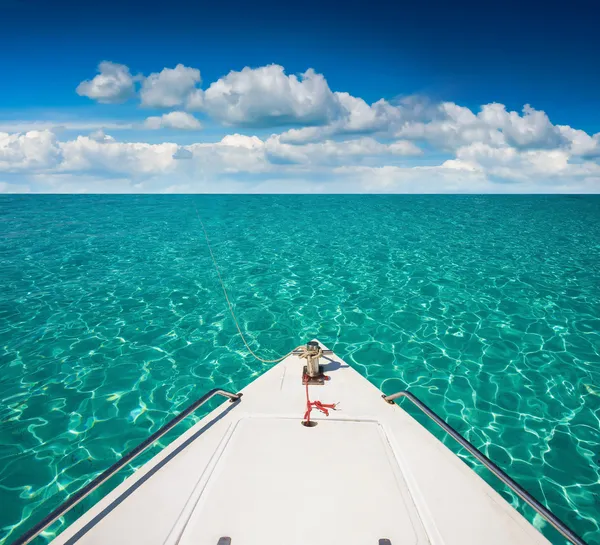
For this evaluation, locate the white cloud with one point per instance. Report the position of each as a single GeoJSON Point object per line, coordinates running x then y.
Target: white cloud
{"type": "Point", "coordinates": [101, 136]}
{"type": "Point", "coordinates": [195, 100]}
{"type": "Point", "coordinates": [451, 127]}
{"type": "Point", "coordinates": [404, 147]}
{"type": "Point", "coordinates": [235, 153]}
{"type": "Point", "coordinates": [393, 179]}
{"type": "Point", "coordinates": [530, 130]}
{"type": "Point", "coordinates": [266, 96]}
{"type": "Point", "coordinates": [339, 142]}
{"type": "Point", "coordinates": [170, 87]}
{"type": "Point", "coordinates": [173, 120]}
{"type": "Point", "coordinates": [580, 142]}
{"type": "Point", "coordinates": [63, 125]}
{"type": "Point", "coordinates": [459, 164]}
{"type": "Point", "coordinates": [304, 135]}
{"type": "Point", "coordinates": [114, 84]}
{"type": "Point", "coordinates": [545, 167]}
{"type": "Point", "coordinates": [458, 177]}
{"type": "Point", "coordinates": [136, 158]}
{"type": "Point", "coordinates": [242, 141]}
{"type": "Point", "coordinates": [335, 152]}
{"type": "Point", "coordinates": [359, 164]}
{"type": "Point", "coordinates": [31, 151]}
{"type": "Point", "coordinates": [183, 153]}
{"type": "Point", "coordinates": [454, 126]}
{"type": "Point", "coordinates": [356, 117]}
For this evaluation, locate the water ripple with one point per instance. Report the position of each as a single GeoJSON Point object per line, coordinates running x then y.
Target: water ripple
{"type": "Point", "coordinates": [112, 320]}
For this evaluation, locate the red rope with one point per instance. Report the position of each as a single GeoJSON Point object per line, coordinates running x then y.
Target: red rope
{"type": "Point", "coordinates": [323, 407]}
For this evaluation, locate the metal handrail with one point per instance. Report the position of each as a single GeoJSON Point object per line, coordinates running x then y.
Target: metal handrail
{"type": "Point", "coordinates": [89, 488]}
{"type": "Point", "coordinates": [508, 481]}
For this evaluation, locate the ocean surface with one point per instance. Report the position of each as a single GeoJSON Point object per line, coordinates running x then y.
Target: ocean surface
{"type": "Point", "coordinates": [112, 320]}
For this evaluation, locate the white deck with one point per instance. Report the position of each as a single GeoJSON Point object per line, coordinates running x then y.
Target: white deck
{"type": "Point", "coordinates": [367, 472]}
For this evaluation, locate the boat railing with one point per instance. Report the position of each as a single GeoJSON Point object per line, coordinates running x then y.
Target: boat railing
{"type": "Point", "coordinates": [508, 481]}
{"type": "Point", "coordinates": [65, 507]}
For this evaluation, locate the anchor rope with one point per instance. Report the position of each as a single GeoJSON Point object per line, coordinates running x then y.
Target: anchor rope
{"type": "Point", "coordinates": [323, 407]}
{"type": "Point", "coordinates": [237, 325]}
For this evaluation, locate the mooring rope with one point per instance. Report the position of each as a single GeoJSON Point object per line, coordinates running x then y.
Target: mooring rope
{"type": "Point", "coordinates": [212, 255]}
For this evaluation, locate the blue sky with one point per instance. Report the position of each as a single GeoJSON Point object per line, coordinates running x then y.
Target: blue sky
{"type": "Point", "coordinates": [436, 96]}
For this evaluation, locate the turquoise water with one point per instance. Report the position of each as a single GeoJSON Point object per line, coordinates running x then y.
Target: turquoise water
{"type": "Point", "coordinates": [112, 320]}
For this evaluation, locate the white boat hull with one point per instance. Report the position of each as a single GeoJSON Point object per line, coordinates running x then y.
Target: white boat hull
{"type": "Point", "coordinates": [251, 472]}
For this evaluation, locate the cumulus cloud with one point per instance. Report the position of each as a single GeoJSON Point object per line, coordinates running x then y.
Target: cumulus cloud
{"type": "Point", "coordinates": [195, 100]}
{"type": "Point", "coordinates": [335, 152]}
{"type": "Point", "coordinates": [581, 143]}
{"type": "Point", "coordinates": [173, 120]}
{"type": "Point", "coordinates": [136, 158]}
{"type": "Point", "coordinates": [182, 153]}
{"type": "Point", "coordinates": [404, 147]}
{"type": "Point", "coordinates": [170, 87]}
{"type": "Point", "coordinates": [530, 130]}
{"type": "Point", "coordinates": [363, 163]}
{"type": "Point", "coordinates": [266, 96]}
{"type": "Point", "coordinates": [31, 151]}
{"type": "Point", "coordinates": [453, 126]}
{"type": "Point", "coordinates": [101, 136]}
{"type": "Point", "coordinates": [233, 153]}
{"type": "Point", "coordinates": [113, 84]}
{"type": "Point", "coordinates": [242, 141]}
{"type": "Point", "coordinates": [522, 166]}
{"type": "Point", "coordinates": [356, 117]}
{"type": "Point", "coordinates": [324, 140]}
